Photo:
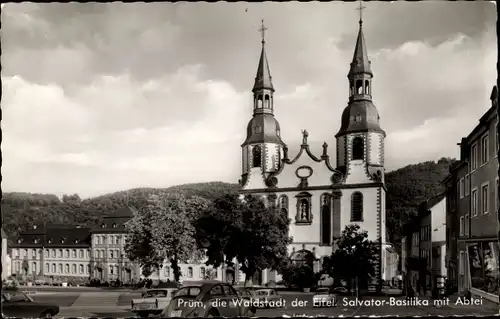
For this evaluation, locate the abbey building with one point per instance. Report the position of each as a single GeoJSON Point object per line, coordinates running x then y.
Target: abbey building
{"type": "Point", "coordinates": [320, 193]}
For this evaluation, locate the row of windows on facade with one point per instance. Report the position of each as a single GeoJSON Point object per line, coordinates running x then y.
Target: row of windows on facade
{"type": "Point", "coordinates": [113, 253]}
{"type": "Point", "coordinates": [358, 150]}
{"type": "Point", "coordinates": [110, 239]}
{"type": "Point", "coordinates": [485, 156]}
{"type": "Point", "coordinates": [189, 274]}
{"type": "Point", "coordinates": [54, 268]}
{"type": "Point", "coordinates": [476, 207]}
{"type": "Point", "coordinates": [304, 204]}
{"type": "Point", "coordinates": [54, 253]}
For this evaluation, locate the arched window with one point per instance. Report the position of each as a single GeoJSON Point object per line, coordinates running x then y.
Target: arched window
{"type": "Point", "coordinates": [47, 267]}
{"type": "Point", "coordinates": [357, 207]}
{"type": "Point", "coordinates": [357, 148]}
{"type": "Point", "coordinates": [259, 102]}
{"type": "Point", "coordinates": [267, 103]}
{"type": "Point", "coordinates": [257, 156]}
{"type": "Point", "coordinates": [367, 87]}
{"type": "Point", "coordinates": [326, 220]}
{"type": "Point", "coordinates": [351, 88]}
{"type": "Point", "coordinates": [304, 209]}
{"type": "Point", "coordinates": [359, 86]}
{"type": "Point", "coordinates": [54, 270]}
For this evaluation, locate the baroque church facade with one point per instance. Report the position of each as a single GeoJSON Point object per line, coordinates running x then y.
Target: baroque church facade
{"type": "Point", "coordinates": [320, 193]}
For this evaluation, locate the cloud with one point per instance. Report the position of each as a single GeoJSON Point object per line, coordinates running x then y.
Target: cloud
{"type": "Point", "coordinates": [111, 124]}
{"type": "Point", "coordinates": [92, 104]}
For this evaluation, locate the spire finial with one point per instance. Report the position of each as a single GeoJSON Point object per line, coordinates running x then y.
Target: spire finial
{"type": "Point", "coordinates": [361, 7]}
{"type": "Point", "coordinates": [263, 31]}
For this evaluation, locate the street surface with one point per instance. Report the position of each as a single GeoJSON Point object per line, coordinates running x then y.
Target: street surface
{"type": "Point", "coordinates": [108, 304]}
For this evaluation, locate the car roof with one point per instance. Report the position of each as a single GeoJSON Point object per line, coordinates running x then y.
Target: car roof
{"type": "Point", "coordinates": [267, 289]}
{"type": "Point", "coordinates": [204, 285]}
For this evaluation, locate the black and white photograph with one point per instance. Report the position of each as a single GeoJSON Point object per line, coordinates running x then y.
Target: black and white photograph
{"type": "Point", "coordinates": [272, 159]}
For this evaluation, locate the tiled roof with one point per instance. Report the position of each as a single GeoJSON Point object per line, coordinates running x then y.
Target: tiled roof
{"type": "Point", "coordinates": [115, 222]}
{"type": "Point", "coordinates": [55, 237]}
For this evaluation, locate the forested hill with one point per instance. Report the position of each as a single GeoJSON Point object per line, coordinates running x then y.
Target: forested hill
{"type": "Point", "coordinates": [20, 210]}
{"type": "Point", "coordinates": [407, 188]}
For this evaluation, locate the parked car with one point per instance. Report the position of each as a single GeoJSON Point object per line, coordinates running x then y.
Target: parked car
{"type": "Point", "coordinates": [268, 298]}
{"type": "Point", "coordinates": [248, 295]}
{"type": "Point", "coordinates": [209, 298]}
{"type": "Point", "coordinates": [153, 302]}
{"type": "Point", "coordinates": [324, 297]}
{"type": "Point", "coordinates": [17, 304]}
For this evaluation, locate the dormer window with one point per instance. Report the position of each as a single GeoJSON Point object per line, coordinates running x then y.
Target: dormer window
{"type": "Point", "coordinates": [36, 240]}
{"type": "Point", "coordinates": [76, 241]}
{"type": "Point", "coordinates": [19, 241]}
{"type": "Point", "coordinates": [34, 226]}
{"type": "Point", "coordinates": [114, 225]}
{"type": "Point", "coordinates": [103, 226]}
{"type": "Point", "coordinates": [62, 240]}
{"type": "Point", "coordinates": [50, 240]}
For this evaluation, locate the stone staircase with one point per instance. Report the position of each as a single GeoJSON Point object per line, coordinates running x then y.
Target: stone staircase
{"type": "Point", "coordinates": [99, 299]}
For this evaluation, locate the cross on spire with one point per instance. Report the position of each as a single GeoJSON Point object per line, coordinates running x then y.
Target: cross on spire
{"type": "Point", "coordinates": [361, 7]}
{"type": "Point", "coordinates": [262, 31]}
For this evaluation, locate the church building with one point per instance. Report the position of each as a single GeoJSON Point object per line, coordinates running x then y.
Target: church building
{"type": "Point", "coordinates": [320, 193]}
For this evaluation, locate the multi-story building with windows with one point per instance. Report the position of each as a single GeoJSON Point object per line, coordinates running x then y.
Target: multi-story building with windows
{"type": "Point", "coordinates": [108, 259]}
{"type": "Point", "coordinates": [432, 216]}
{"type": "Point", "coordinates": [69, 253]}
{"type": "Point", "coordinates": [57, 251]}
{"type": "Point", "coordinates": [454, 212]}
{"type": "Point", "coordinates": [321, 198]}
{"type": "Point", "coordinates": [476, 190]}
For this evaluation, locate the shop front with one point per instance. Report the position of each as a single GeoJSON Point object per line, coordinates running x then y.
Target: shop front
{"type": "Point", "coordinates": [483, 268]}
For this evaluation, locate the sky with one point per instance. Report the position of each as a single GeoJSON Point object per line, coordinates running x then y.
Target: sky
{"type": "Point", "coordinates": [104, 97]}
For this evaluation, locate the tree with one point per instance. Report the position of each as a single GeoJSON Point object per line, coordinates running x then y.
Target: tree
{"type": "Point", "coordinates": [248, 230]}
{"type": "Point", "coordinates": [164, 228]}
{"type": "Point", "coordinates": [139, 245]}
{"type": "Point", "coordinates": [354, 256]}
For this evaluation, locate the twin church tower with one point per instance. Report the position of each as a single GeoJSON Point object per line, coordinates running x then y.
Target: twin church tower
{"type": "Point", "coordinates": [320, 195]}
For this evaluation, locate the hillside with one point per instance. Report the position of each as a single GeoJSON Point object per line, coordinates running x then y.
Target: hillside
{"type": "Point", "coordinates": [408, 187]}
{"type": "Point", "coordinates": [19, 210]}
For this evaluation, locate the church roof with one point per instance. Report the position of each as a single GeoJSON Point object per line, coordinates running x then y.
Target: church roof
{"type": "Point", "coordinates": [360, 62]}
{"type": "Point", "coordinates": [263, 79]}
{"type": "Point", "coordinates": [360, 116]}
{"type": "Point", "coordinates": [263, 128]}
